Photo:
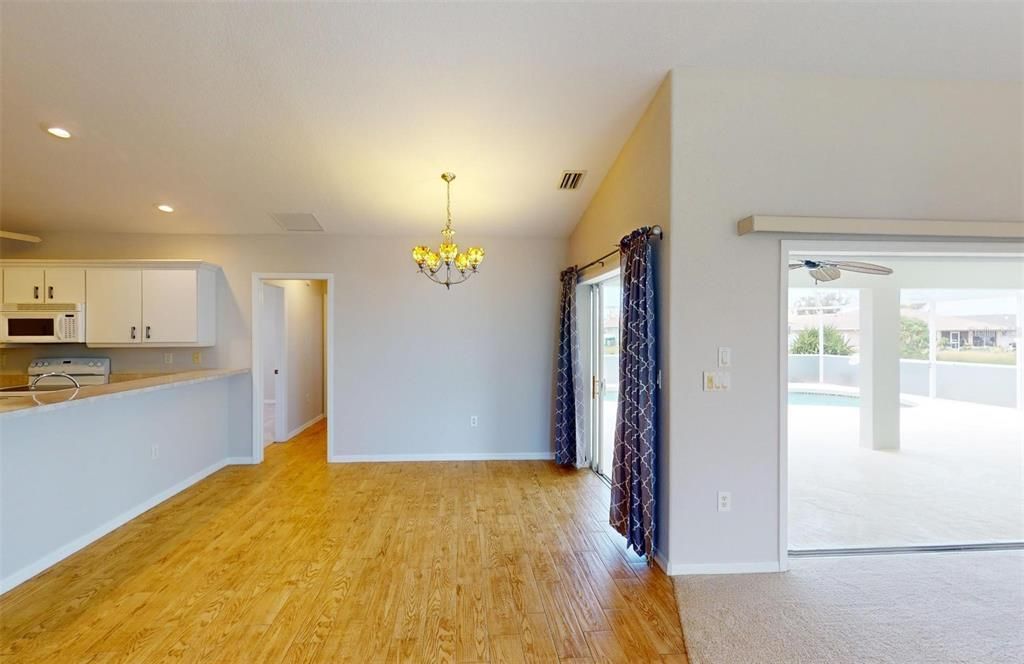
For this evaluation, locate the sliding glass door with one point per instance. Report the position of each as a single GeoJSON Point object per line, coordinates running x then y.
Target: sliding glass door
{"type": "Point", "coordinates": [605, 301]}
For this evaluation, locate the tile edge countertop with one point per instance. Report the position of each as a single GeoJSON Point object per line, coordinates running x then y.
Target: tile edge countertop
{"type": "Point", "coordinates": [16, 406]}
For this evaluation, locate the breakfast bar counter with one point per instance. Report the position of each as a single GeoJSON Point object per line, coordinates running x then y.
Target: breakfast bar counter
{"type": "Point", "coordinates": [45, 401]}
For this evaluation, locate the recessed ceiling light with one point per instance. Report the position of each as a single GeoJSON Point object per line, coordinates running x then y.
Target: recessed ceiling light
{"type": "Point", "coordinates": [164, 207]}
{"type": "Point", "coordinates": [59, 132]}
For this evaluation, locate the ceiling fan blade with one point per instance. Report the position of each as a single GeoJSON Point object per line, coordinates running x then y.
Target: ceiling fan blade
{"type": "Point", "coordinates": [863, 268]}
{"type": "Point", "coordinates": [825, 273]}
{"type": "Point", "coordinates": [795, 266]}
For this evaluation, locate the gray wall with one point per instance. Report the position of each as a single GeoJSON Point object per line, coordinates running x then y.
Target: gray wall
{"type": "Point", "coordinates": [757, 143]}
{"type": "Point", "coordinates": [412, 361]}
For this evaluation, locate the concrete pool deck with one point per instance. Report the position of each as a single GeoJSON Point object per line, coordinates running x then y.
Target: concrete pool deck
{"type": "Point", "coordinates": [956, 479]}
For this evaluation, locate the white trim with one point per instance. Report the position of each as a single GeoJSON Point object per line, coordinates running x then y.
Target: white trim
{"type": "Point", "coordinates": [302, 427]}
{"type": "Point", "coordinates": [661, 561]}
{"type": "Point", "coordinates": [79, 543]}
{"type": "Point", "coordinates": [239, 461]}
{"type": "Point", "coordinates": [783, 458]}
{"type": "Point", "coordinates": [694, 569]}
{"type": "Point", "coordinates": [257, 360]}
{"type": "Point", "coordinates": [445, 456]}
{"type": "Point", "coordinates": [1012, 230]}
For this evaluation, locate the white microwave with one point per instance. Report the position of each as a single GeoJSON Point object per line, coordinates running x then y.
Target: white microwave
{"type": "Point", "coordinates": [42, 323]}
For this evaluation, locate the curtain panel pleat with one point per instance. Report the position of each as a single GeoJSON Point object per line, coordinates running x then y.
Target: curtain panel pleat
{"type": "Point", "coordinates": [634, 462]}
{"type": "Point", "coordinates": [568, 379]}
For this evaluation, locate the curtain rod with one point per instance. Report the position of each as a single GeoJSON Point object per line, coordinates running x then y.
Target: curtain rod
{"type": "Point", "coordinates": [654, 231]}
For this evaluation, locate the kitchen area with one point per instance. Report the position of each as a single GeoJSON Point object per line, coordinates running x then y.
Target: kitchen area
{"type": "Point", "coordinates": [106, 406]}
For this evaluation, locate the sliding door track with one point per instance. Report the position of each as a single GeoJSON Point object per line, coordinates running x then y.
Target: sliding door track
{"type": "Point", "coordinates": [882, 550]}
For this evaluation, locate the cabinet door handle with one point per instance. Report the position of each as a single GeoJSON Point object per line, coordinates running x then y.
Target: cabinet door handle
{"type": "Point", "coordinates": [133, 331]}
{"type": "Point", "coordinates": [147, 331]}
{"type": "Point", "coordinates": [35, 292]}
{"type": "Point", "coordinates": [49, 292]}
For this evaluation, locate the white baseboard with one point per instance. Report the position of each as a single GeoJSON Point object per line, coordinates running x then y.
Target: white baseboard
{"type": "Point", "coordinates": [54, 557]}
{"type": "Point", "coordinates": [447, 456]}
{"type": "Point", "coordinates": [239, 461]}
{"type": "Point", "coordinates": [661, 562]}
{"type": "Point", "coordinates": [302, 427]}
{"type": "Point", "coordinates": [683, 569]}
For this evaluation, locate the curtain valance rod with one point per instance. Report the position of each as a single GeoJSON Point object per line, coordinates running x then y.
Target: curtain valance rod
{"type": "Point", "coordinates": [655, 231]}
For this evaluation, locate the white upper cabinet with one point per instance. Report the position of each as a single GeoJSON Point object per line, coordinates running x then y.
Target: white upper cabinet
{"type": "Point", "coordinates": [170, 306]}
{"type": "Point", "coordinates": [23, 285]}
{"type": "Point", "coordinates": [127, 303]}
{"type": "Point", "coordinates": [36, 285]}
{"type": "Point", "coordinates": [113, 306]}
{"type": "Point", "coordinates": [65, 285]}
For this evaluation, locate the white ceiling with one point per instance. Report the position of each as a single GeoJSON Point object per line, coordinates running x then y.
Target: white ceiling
{"type": "Point", "coordinates": [233, 111]}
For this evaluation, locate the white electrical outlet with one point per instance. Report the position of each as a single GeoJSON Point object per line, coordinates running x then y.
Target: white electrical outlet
{"type": "Point", "coordinates": [724, 501]}
{"type": "Point", "coordinates": [156, 451]}
{"type": "Point", "coordinates": [168, 358]}
{"type": "Point", "coordinates": [473, 420]}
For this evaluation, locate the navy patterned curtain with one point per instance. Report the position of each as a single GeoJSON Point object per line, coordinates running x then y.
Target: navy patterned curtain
{"type": "Point", "coordinates": [568, 380]}
{"type": "Point", "coordinates": [633, 497]}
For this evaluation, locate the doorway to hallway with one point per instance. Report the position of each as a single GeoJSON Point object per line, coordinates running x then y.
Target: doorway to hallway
{"type": "Point", "coordinates": [292, 356]}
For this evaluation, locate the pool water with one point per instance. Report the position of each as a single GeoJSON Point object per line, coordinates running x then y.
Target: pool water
{"type": "Point", "coordinates": [816, 399]}
{"type": "Point", "coordinates": [821, 399]}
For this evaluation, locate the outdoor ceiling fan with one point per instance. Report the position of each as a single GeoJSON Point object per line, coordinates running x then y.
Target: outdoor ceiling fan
{"type": "Point", "coordinates": [822, 270]}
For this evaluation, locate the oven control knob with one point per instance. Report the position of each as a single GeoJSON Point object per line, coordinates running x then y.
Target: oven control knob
{"type": "Point", "coordinates": [46, 364]}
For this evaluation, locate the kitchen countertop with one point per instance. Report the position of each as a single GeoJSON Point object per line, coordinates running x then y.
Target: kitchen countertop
{"type": "Point", "coordinates": [14, 406]}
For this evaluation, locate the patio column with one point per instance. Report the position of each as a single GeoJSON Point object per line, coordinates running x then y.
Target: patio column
{"type": "Point", "coordinates": [880, 368]}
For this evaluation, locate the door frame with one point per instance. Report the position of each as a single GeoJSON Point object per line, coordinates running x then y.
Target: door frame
{"type": "Point", "coordinates": [591, 287]}
{"type": "Point", "coordinates": [257, 361]}
{"type": "Point", "coordinates": [852, 245]}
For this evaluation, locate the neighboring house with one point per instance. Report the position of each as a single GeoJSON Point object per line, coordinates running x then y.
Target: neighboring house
{"type": "Point", "coordinates": [955, 332]}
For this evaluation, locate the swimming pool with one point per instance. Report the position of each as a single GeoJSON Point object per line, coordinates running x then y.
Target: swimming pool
{"type": "Point", "coordinates": [822, 399]}
{"type": "Point", "coordinates": [825, 399]}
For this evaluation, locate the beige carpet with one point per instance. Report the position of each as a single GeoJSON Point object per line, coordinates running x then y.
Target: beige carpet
{"type": "Point", "coordinates": [934, 608]}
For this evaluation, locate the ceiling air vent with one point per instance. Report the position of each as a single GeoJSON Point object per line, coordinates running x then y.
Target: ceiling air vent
{"type": "Point", "coordinates": [297, 222]}
{"type": "Point", "coordinates": [571, 179]}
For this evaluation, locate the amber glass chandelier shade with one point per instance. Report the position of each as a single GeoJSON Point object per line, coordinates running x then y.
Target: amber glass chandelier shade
{"type": "Point", "coordinates": [447, 254]}
{"type": "Point", "coordinates": [419, 254]}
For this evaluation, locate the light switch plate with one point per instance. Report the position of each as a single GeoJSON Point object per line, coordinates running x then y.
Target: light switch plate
{"type": "Point", "coordinates": [716, 381]}
{"type": "Point", "coordinates": [724, 357]}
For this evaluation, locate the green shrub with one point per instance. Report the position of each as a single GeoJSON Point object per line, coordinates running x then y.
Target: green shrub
{"type": "Point", "coordinates": [806, 343]}
{"type": "Point", "coordinates": [913, 339]}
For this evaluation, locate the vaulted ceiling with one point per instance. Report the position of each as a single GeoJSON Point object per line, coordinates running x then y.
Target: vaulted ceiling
{"type": "Point", "coordinates": [231, 111]}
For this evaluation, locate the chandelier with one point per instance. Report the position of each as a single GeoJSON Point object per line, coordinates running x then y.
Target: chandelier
{"type": "Point", "coordinates": [438, 266]}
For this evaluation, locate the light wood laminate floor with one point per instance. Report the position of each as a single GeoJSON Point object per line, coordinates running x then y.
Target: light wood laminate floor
{"type": "Point", "coordinates": [297, 560]}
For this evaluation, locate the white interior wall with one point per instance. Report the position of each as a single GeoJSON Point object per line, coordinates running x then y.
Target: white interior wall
{"type": "Point", "coordinates": [765, 144]}
{"type": "Point", "coordinates": [412, 360]}
{"type": "Point", "coordinates": [304, 338]}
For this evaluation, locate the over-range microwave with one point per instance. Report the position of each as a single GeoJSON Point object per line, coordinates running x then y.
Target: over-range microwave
{"type": "Point", "coordinates": [42, 323]}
